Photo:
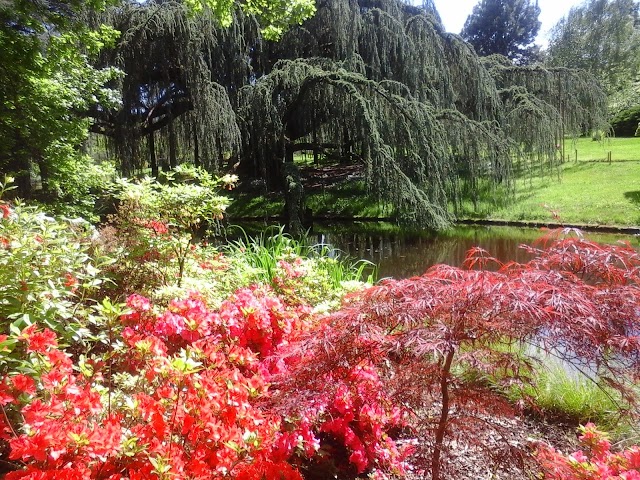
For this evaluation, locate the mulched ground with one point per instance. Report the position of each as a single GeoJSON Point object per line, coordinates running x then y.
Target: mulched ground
{"type": "Point", "coordinates": [504, 453]}
{"type": "Point", "coordinates": [318, 177]}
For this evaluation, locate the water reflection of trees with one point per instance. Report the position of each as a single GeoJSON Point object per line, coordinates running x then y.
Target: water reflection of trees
{"type": "Point", "coordinates": [403, 255]}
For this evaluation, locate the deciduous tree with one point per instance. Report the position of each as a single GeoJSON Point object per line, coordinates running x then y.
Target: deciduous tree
{"type": "Point", "coordinates": [601, 37]}
{"type": "Point", "coordinates": [45, 79]}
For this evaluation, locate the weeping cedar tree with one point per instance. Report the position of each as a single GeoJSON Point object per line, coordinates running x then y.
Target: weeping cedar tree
{"type": "Point", "coordinates": [171, 105]}
{"type": "Point", "coordinates": [376, 82]}
{"type": "Point", "coordinates": [504, 27]}
{"type": "Point", "coordinates": [437, 340]}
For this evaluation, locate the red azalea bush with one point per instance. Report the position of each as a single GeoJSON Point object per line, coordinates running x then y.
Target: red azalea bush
{"type": "Point", "coordinates": [595, 462]}
{"type": "Point", "coordinates": [186, 415]}
{"type": "Point", "coordinates": [184, 394]}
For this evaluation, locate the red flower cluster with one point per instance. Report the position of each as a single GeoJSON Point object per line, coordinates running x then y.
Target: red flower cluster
{"type": "Point", "coordinates": [5, 210]}
{"type": "Point", "coordinates": [70, 282]}
{"type": "Point", "coordinates": [598, 462]}
{"type": "Point", "coordinates": [195, 405]}
{"type": "Point", "coordinates": [159, 228]}
{"type": "Point", "coordinates": [354, 414]}
{"type": "Point", "coordinates": [257, 319]}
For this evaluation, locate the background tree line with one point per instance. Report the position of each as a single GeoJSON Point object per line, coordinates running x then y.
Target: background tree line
{"type": "Point", "coordinates": [376, 83]}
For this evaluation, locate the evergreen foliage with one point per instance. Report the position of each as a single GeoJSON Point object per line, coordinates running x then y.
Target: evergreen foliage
{"type": "Point", "coordinates": [168, 56]}
{"type": "Point", "coordinates": [565, 102]}
{"type": "Point", "coordinates": [504, 27]}
{"type": "Point", "coordinates": [378, 82]}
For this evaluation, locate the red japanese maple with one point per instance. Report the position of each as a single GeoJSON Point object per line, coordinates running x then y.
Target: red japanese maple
{"type": "Point", "coordinates": [576, 299]}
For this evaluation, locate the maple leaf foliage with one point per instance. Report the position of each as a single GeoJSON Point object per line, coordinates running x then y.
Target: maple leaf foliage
{"type": "Point", "coordinates": [576, 300]}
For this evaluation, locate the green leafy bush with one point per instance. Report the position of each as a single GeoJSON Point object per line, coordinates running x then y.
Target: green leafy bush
{"type": "Point", "coordinates": [152, 234]}
{"type": "Point", "coordinates": [82, 191]}
{"type": "Point", "coordinates": [47, 274]}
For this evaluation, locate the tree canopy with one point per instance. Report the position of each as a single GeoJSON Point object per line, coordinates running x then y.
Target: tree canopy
{"type": "Point", "coordinates": [378, 83]}
{"type": "Point", "coordinates": [601, 37]}
{"type": "Point", "coordinates": [52, 81]}
{"type": "Point", "coordinates": [45, 78]}
{"type": "Point", "coordinates": [504, 27]}
{"type": "Point", "coordinates": [275, 16]}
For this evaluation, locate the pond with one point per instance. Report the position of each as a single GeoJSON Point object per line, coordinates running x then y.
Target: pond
{"type": "Point", "coordinates": [405, 254]}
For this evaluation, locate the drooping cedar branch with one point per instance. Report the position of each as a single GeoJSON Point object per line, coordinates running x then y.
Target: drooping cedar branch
{"type": "Point", "coordinates": [402, 145]}
{"type": "Point", "coordinates": [549, 103]}
{"type": "Point", "coordinates": [177, 78]}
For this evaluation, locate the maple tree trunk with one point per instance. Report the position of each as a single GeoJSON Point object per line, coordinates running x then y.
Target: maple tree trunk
{"type": "Point", "coordinates": [444, 416]}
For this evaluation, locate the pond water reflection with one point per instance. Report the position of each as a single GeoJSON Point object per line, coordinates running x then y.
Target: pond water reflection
{"type": "Point", "coordinates": [405, 254]}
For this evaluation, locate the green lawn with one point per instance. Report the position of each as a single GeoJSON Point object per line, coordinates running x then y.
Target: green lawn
{"type": "Point", "coordinates": [622, 149]}
{"type": "Point", "coordinates": [590, 191]}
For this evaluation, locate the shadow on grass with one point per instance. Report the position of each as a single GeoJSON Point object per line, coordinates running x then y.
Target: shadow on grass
{"type": "Point", "coordinates": [633, 197]}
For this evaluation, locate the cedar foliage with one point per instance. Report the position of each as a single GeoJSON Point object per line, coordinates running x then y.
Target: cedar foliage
{"type": "Point", "coordinates": [378, 82]}
{"type": "Point", "coordinates": [576, 300]}
{"type": "Point", "coordinates": [168, 90]}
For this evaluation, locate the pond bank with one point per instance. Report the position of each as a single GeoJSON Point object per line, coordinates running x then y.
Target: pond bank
{"type": "Point", "coordinates": [553, 225]}
{"type": "Point", "coordinates": [624, 230]}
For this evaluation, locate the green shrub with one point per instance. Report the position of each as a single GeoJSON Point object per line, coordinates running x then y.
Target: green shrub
{"type": "Point", "coordinates": [83, 190]}
{"type": "Point", "coordinates": [625, 123]}
{"type": "Point", "coordinates": [47, 274]}
{"type": "Point", "coordinates": [313, 274]}
{"type": "Point", "coordinates": [152, 233]}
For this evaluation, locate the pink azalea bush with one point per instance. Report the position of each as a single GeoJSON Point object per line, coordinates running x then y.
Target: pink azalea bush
{"type": "Point", "coordinates": [595, 461]}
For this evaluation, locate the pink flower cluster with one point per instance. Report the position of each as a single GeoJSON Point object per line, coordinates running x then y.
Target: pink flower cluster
{"type": "Point", "coordinates": [595, 462]}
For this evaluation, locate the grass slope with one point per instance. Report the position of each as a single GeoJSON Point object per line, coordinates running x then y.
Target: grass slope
{"type": "Point", "coordinates": [591, 191]}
